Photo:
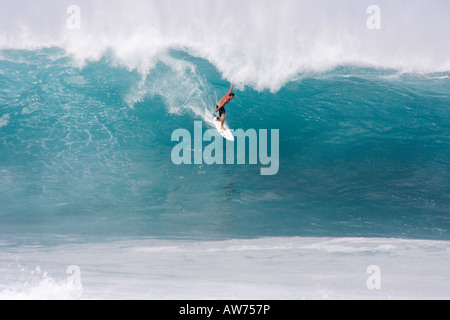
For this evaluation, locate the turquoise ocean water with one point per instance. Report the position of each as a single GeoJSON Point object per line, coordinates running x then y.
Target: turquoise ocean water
{"type": "Point", "coordinates": [87, 179]}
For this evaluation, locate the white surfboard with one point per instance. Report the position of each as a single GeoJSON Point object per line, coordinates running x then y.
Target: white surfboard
{"type": "Point", "coordinates": [224, 133]}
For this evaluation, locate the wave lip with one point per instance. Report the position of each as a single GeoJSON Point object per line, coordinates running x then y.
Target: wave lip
{"type": "Point", "coordinates": [261, 45]}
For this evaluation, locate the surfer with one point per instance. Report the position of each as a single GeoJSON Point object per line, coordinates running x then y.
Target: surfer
{"type": "Point", "coordinates": [221, 106]}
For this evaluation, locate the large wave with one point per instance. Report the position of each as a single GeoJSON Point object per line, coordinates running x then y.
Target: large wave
{"type": "Point", "coordinates": [262, 44]}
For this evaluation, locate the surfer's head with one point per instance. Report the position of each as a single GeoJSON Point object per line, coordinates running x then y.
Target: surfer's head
{"type": "Point", "coordinates": [231, 96]}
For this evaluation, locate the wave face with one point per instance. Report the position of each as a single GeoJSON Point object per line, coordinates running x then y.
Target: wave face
{"type": "Point", "coordinates": [363, 152]}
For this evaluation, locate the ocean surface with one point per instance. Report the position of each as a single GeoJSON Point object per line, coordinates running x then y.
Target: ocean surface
{"type": "Point", "coordinates": [92, 205]}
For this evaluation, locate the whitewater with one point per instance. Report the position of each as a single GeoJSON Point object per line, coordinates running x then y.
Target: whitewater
{"type": "Point", "coordinates": [93, 207]}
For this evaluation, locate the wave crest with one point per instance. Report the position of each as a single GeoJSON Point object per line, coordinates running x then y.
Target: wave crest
{"type": "Point", "coordinates": [260, 44]}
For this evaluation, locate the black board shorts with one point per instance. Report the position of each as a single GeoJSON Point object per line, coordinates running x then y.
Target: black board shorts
{"type": "Point", "coordinates": [222, 111]}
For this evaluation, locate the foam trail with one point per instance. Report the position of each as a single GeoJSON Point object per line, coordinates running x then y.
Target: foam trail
{"type": "Point", "coordinates": [260, 44]}
{"type": "Point", "coordinates": [182, 75]}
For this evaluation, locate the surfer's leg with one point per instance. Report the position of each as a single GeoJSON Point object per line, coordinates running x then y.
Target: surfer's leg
{"type": "Point", "coordinates": [220, 115]}
{"type": "Point", "coordinates": [223, 121]}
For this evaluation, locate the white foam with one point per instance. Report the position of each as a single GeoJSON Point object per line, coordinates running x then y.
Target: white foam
{"type": "Point", "coordinates": [38, 285]}
{"type": "Point", "coordinates": [4, 120]}
{"type": "Point", "coordinates": [46, 289]}
{"type": "Point", "coordinates": [263, 44]}
{"type": "Point", "coordinates": [266, 268]}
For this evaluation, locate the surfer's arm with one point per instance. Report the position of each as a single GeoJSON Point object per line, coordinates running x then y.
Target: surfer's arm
{"type": "Point", "coordinates": [231, 90]}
